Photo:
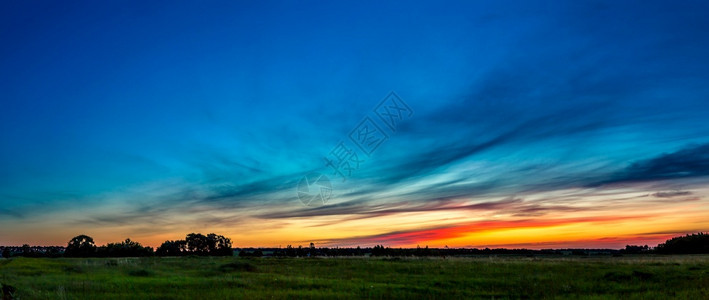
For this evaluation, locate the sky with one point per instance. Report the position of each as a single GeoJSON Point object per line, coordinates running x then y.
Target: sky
{"type": "Point", "coordinates": [519, 124]}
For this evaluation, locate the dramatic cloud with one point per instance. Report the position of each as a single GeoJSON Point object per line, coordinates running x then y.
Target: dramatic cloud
{"type": "Point", "coordinates": [689, 162]}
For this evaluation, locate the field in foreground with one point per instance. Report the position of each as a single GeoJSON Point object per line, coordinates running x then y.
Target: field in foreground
{"type": "Point", "coordinates": [641, 277]}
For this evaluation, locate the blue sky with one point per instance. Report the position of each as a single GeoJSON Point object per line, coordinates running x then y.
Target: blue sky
{"type": "Point", "coordinates": [150, 120]}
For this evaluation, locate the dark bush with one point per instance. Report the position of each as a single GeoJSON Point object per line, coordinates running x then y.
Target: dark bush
{"type": "Point", "coordinates": [139, 273]}
{"type": "Point", "coordinates": [689, 244]}
{"type": "Point", "coordinates": [237, 266]}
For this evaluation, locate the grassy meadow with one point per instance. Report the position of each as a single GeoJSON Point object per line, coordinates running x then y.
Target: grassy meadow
{"type": "Point", "coordinates": [628, 277]}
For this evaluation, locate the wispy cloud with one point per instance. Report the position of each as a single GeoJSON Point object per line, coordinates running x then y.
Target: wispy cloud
{"type": "Point", "coordinates": [672, 194]}
{"type": "Point", "coordinates": [692, 161]}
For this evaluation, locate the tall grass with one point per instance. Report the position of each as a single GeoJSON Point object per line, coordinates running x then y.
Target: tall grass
{"type": "Point", "coordinates": [634, 277]}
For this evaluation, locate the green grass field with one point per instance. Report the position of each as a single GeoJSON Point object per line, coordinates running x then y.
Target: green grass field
{"type": "Point", "coordinates": [641, 277]}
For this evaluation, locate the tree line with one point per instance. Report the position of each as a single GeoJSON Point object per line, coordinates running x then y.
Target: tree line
{"type": "Point", "coordinates": [697, 243]}
{"type": "Point", "coordinates": [84, 246]}
{"type": "Point", "coordinates": [218, 245]}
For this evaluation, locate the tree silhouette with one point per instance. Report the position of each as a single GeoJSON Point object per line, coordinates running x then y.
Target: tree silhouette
{"type": "Point", "coordinates": [26, 250]}
{"type": "Point", "coordinates": [221, 245]}
{"type": "Point", "coordinates": [633, 249]}
{"type": "Point", "coordinates": [688, 244]}
{"type": "Point", "coordinates": [197, 244]}
{"type": "Point", "coordinates": [126, 248]}
{"type": "Point", "coordinates": [80, 246]}
{"type": "Point", "coordinates": [172, 248]}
